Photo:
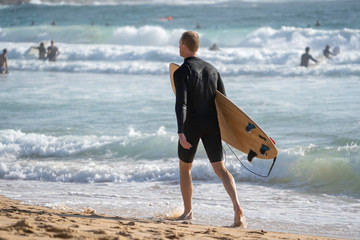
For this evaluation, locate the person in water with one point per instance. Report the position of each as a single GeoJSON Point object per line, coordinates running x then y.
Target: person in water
{"type": "Point", "coordinates": [327, 52]}
{"type": "Point", "coordinates": [196, 82]}
{"type": "Point", "coordinates": [42, 50]}
{"type": "Point", "coordinates": [306, 57]}
{"type": "Point", "coordinates": [53, 52]}
{"type": "Point", "coordinates": [4, 62]}
{"type": "Point", "coordinates": [214, 47]}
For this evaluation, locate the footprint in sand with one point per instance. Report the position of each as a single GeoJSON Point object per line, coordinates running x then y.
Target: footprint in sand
{"type": "Point", "coordinates": [23, 226]}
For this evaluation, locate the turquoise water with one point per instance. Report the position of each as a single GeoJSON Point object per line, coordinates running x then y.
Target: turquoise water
{"type": "Point", "coordinates": [97, 128]}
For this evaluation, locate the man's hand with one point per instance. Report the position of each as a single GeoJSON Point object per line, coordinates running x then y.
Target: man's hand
{"type": "Point", "coordinates": [183, 142]}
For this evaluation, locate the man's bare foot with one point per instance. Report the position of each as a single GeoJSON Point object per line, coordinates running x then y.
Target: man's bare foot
{"type": "Point", "coordinates": [239, 220]}
{"type": "Point", "coordinates": [186, 216]}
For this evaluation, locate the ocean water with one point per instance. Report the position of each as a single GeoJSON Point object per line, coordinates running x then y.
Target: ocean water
{"type": "Point", "coordinates": [97, 128]}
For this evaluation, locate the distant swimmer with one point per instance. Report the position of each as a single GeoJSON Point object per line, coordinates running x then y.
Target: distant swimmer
{"type": "Point", "coordinates": [53, 23]}
{"type": "Point", "coordinates": [198, 26]}
{"type": "Point", "coordinates": [4, 62]}
{"type": "Point", "coordinates": [306, 57]}
{"type": "Point", "coordinates": [42, 50]}
{"type": "Point", "coordinates": [52, 53]}
{"type": "Point", "coordinates": [214, 47]}
{"type": "Point", "coordinates": [317, 24]}
{"type": "Point", "coordinates": [327, 52]}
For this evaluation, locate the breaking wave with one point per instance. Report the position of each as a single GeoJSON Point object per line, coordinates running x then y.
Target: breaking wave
{"type": "Point", "coordinates": [145, 157]}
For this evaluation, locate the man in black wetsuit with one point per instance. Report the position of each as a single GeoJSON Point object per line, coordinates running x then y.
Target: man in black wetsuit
{"type": "Point", "coordinates": [196, 82]}
{"type": "Point", "coordinates": [306, 57]}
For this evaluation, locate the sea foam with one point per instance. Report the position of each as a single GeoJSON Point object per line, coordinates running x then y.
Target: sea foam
{"type": "Point", "coordinates": [328, 170]}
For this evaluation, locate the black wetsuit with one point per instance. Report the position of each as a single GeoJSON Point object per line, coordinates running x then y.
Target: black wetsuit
{"type": "Point", "coordinates": [42, 51]}
{"type": "Point", "coordinates": [196, 82]}
{"type": "Point", "coordinates": [305, 59]}
{"type": "Point", "coordinates": [327, 53]}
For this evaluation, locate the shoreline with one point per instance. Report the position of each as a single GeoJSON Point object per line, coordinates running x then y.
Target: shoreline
{"type": "Point", "coordinates": [21, 221]}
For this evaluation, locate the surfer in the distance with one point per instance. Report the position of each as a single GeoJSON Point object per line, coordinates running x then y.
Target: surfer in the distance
{"type": "Point", "coordinates": [306, 57]}
{"type": "Point", "coordinates": [52, 53]}
{"type": "Point", "coordinates": [327, 52]}
{"type": "Point", "coordinates": [42, 50]}
{"type": "Point", "coordinates": [4, 62]}
{"type": "Point", "coordinates": [196, 82]}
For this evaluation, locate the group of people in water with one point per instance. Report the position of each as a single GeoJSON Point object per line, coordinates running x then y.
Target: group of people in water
{"type": "Point", "coordinates": [49, 53]}
{"type": "Point", "coordinates": [306, 56]}
{"type": "Point", "coordinates": [52, 52]}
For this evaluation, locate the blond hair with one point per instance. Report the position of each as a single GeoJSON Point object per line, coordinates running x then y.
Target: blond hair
{"type": "Point", "coordinates": [191, 39]}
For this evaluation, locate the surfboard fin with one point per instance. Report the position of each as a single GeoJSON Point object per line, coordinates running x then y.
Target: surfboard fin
{"type": "Point", "coordinates": [264, 149]}
{"type": "Point", "coordinates": [249, 127]}
{"type": "Point", "coordinates": [251, 155]}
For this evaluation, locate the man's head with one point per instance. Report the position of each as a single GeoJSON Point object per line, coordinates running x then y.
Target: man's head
{"type": "Point", "coordinates": [189, 44]}
{"type": "Point", "coordinates": [52, 42]}
{"type": "Point", "coordinates": [4, 51]}
{"type": "Point", "coordinates": [307, 49]}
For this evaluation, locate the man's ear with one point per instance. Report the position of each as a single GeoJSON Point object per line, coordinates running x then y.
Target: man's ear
{"type": "Point", "coordinates": [187, 51]}
{"type": "Point", "coordinates": [184, 47]}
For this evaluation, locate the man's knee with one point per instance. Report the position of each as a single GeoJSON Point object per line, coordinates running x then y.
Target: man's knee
{"type": "Point", "coordinates": [184, 166]}
{"type": "Point", "coordinates": [220, 169]}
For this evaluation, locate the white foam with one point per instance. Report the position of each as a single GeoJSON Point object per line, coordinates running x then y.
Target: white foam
{"type": "Point", "coordinates": [15, 144]}
{"type": "Point", "coordinates": [161, 131]}
{"type": "Point", "coordinates": [288, 38]}
{"type": "Point", "coordinates": [32, 156]}
{"type": "Point", "coordinates": [146, 36]}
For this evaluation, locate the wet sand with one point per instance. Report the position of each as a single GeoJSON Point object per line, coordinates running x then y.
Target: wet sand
{"type": "Point", "coordinates": [20, 221]}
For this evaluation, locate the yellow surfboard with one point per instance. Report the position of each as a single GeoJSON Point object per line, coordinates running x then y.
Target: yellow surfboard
{"type": "Point", "coordinates": [237, 128]}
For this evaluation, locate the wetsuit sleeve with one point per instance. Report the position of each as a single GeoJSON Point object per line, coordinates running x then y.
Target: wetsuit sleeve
{"type": "Point", "coordinates": [312, 58]}
{"type": "Point", "coordinates": [220, 85]}
{"type": "Point", "coordinates": [180, 77]}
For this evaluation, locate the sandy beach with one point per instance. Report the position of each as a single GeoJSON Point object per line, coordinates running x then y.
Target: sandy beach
{"type": "Point", "coordinates": [20, 221]}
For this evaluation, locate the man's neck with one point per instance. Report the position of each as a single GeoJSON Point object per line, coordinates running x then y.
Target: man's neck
{"type": "Point", "coordinates": [190, 55]}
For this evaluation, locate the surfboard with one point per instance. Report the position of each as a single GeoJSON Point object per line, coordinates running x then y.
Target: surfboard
{"type": "Point", "coordinates": [336, 51]}
{"type": "Point", "coordinates": [320, 59]}
{"type": "Point", "coordinates": [237, 128]}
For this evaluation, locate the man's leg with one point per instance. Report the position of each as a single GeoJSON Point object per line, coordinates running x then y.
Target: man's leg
{"type": "Point", "coordinates": [229, 184]}
{"type": "Point", "coordinates": [186, 189]}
